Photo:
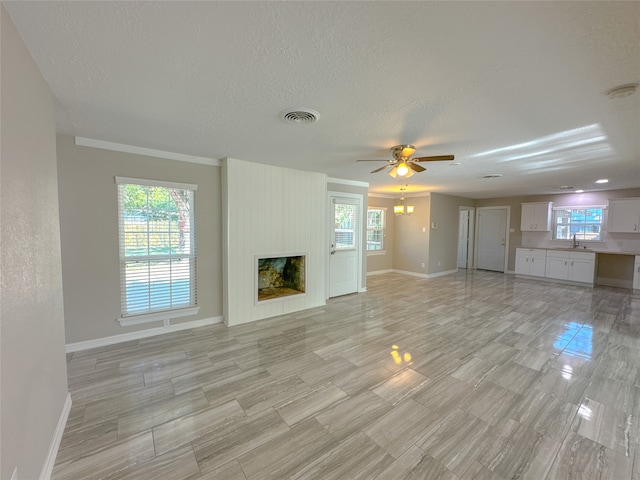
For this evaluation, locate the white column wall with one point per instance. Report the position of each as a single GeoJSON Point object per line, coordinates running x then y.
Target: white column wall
{"type": "Point", "coordinates": [271, 211]}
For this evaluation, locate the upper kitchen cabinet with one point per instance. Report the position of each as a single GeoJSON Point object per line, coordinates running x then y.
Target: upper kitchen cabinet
{"type": "Point", "coordinates": [536, 217]}
{"type": "Point", "coordinates": [624, 215]}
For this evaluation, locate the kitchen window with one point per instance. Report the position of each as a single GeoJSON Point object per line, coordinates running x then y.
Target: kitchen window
{"type": "Point", "coordinates": [583, 222]}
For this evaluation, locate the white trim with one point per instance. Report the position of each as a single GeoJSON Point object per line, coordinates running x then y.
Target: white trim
{"type": "Point", "coordinates": [47, 467]}
{"type": "Point", "coordinates": [414, 274]}
{"type": "Point", "coordinates": [576, 207]}
{"type": "Point", "coordinates": [380, 272]}
{"type": "Point", "coordinates": [155, 183]}
{"type": "Point", "coordinates": [441, 274]}
{"type": "Point", "coordinates": [149, 152]}
{"type": "Point", "coordinates": [372, 253]}
{"type": "Point", "coordinates": [154, 317]}
{"type": "Point", "coordinates": [363, 290]}
{"type": "Point", "coordinates": [150, 332]}
{"type": "Point", "coordinates": [411, 274]}
{"type": "Point", "coordinates": [353, 183]}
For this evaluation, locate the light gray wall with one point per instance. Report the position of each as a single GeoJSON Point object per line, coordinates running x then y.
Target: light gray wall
{"type": "Point", "coordinates": [443, 240]}
{"type": "Point", "coordinates": [33, 372]}
{"type": "Point", "coordinates": [377, 262]}
{"type": "Point", "coordinates": [411, 243]}
{"type": "Point", "coordinates": [89, 230]}
{"type": "Point", "coordinates": [364, 191]}
{"type": "Point", "coordinates": [540, 239]}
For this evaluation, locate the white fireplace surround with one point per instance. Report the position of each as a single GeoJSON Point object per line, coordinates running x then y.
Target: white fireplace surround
{"type": "Point", "coordinates": [271, 209]}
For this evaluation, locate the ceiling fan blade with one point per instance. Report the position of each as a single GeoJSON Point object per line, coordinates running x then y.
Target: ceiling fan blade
{"type": "Point", "coordinates": [436, 158]}
{"type": "Point", "coordinates": [415, 167]}
{"type": "Point", "coordinates": [380, 169]}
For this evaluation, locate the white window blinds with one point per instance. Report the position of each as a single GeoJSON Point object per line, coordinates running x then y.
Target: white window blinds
{"type": "Point", "coordinates": [157, 246]}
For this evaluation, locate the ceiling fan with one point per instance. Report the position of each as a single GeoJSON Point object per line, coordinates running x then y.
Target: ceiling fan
{"type": "Point", "coordinates": [403, 165]}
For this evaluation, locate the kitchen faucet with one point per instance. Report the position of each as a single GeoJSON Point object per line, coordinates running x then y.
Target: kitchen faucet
{"type": "Point", "coordinates": [575, 243]}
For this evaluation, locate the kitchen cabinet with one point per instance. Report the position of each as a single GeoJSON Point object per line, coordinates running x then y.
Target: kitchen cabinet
{"type": "Point", "coordinates": [624, 215]}
{"type": "Point", "coordinates": [531, 261]}
{"type": "Point", "coordinates": [636, 274]}
{"type": "Point", "coordinates": [573, 266]}
{"type": "Point", "coordinates": [536, 217]}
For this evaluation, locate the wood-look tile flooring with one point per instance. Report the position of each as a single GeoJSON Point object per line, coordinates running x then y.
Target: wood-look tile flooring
{"type": "Point", "coordinates": [471, 376]}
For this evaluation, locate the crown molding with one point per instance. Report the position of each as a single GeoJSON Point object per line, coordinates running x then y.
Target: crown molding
{"type": "Point", "coordinates": [149, 152]}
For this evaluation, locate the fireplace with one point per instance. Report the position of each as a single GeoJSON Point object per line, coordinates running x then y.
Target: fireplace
{"type": "Point", "coordinates": [280, 276]}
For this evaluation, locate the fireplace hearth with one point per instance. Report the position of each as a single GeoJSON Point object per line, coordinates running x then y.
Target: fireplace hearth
{"type": "Point", "coordinates": [281, 276]}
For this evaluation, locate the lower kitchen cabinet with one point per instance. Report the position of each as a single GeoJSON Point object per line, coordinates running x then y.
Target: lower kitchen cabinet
{"type": "Point", "coordinates": [530, 261]}
{"type": "Point", "coordinates": [573, 266]}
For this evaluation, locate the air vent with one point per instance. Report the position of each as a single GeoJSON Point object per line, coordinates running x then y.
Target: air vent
{"type": "Point", "coordinates": [300, 116]}
{"type": "Point", "coordinates": [566, 187]}
{"type": "Point", "coordinates": [492, 175]}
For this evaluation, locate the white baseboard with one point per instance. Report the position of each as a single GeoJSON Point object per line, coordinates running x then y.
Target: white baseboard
{"type": "Point", "coordinates": [441, 274]}
{"type": "Point", "coordinates": [380, 272]}
{"type": "Point", "coordinates": [363, 290]}
{"type": "Point", "coordinates": [47, 468]}
{"type": "Point", "coordinates": [150, 332]}
{"type": "Point", "coordinates": [414, 274]}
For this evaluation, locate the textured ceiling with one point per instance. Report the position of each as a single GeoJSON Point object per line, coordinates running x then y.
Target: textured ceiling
{"type": "Point", "coordinates": [516, 88]}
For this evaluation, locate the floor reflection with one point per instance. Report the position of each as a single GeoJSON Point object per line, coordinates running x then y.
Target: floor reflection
{"type": "Point", "coordinates": [580, 338]}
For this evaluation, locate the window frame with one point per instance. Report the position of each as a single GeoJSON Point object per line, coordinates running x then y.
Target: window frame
{"type": "Point", "coordinates": [382, 229]}
{"type": "Point", "coordinates": [128, 317]}
{"type": "Point", "coordinates": [580, 234]}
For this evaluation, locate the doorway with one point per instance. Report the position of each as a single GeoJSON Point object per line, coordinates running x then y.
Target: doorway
{"type": "Point", "coordinates": [492, 238]}
{"type": "Point", "coordinates": [345, 254]}
{"type": "Point", "coordinates": [465, 237]}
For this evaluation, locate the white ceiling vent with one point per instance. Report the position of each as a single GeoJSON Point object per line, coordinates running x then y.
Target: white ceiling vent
{"type": "Point", "coordinates": [300, 115]}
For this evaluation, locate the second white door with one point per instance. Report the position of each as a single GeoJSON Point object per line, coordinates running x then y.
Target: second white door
{"type": "Point", "coordinates": [492, 236]}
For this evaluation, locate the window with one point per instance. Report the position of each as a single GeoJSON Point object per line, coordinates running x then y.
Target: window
{"type": "Point", "coordinates": [375, 229]}
{"type": "Point", "coordinates": [345, 215]}
{"type": "Point", "coordinates": [583, 222]}
{"type": "Point", "coordinates": [157, 249]}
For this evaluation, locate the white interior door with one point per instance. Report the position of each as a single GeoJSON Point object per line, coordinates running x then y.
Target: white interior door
{"type": "Point", "coordinates": [492, 239]}
{"type": "Point", "coordinates": [346, 245]}
{"type": "Point", "coordinates": [463, 238]}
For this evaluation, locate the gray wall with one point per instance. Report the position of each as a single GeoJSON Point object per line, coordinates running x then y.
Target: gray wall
{"type": "Point", "coordinates": [33, 372]}
{"type": "Point", "coordinates": [377, 262]}
{"type": "Point", "coordinates": [443, 240]}
{"type": "Point", "coordinates": [411, 243]}
{"type": "Point", "coordinates": [89, 231]}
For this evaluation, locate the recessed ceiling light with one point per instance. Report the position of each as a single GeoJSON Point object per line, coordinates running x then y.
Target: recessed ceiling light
{"type": "Point", "coordinates": [622, 91]}
{"type": "Point", "coordinates": [492, 175]}
{"type": "Point", "coordinates": [579, 191]}
{"type": "Point", "coordinates": [602, 180]}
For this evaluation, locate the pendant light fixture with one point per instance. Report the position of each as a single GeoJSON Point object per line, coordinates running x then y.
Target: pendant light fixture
{"type": "Point", "coordinates": [402, 209]}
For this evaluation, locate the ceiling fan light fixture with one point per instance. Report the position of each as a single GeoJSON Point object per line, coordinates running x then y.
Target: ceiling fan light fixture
{"type": "Point", "coordinates": [402, 169]}
{"type": "Point", "coordinates": [408, 150]}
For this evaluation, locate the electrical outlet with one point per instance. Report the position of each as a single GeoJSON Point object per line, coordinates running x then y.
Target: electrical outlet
{"type": "Point", "coordinates": [15, 474]}
{"type": "Point", "coordinates": [422, 264]}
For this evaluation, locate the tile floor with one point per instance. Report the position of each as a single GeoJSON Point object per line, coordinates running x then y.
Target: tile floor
{"type": "Point", "coordinates": [475, 375]}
